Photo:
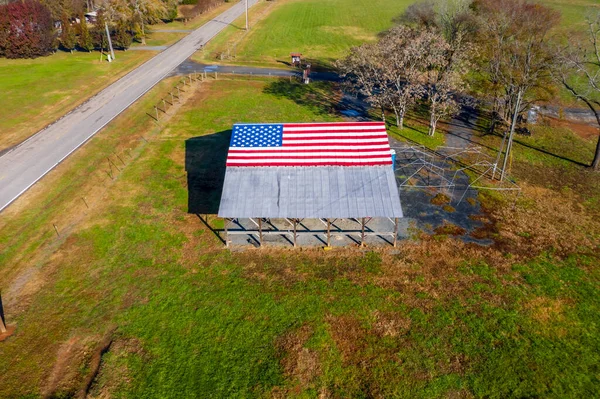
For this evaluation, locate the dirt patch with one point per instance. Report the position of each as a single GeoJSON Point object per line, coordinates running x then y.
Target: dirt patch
{"type": "Point", "coordinates": [9, 331]}
{"type": "Point", "coordinates": [299, 363]}
{"type": "Point", "coordinates": [583, 130]}
{"type": "Point", "coordinates": [71, 358]}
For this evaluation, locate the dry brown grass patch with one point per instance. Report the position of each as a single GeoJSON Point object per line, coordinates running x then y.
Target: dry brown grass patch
{"type": "Point", "coordinates": [391, 324]}
{"type": "Point", "coordinates": [299, 363]}
{"type": "Point", "coordinates": [349, 336]}
{"type": "Point", "coordinates": [440, 199]}
{"type": "Point", "coordinates": [545, 219]}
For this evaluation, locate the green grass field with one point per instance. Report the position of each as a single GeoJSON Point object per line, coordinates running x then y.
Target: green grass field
{"type": "Point", "coordinates": [190, 319]}
{"type": "Point", "coordinates": [36, 92]}
{"type": "Point", "coordinates": [325, 30]}
{"type": "Point", "coordinates": [322, 30]}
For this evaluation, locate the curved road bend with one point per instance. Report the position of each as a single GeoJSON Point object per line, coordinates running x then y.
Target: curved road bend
{"type": "Point", "coordinates": [29, 161]}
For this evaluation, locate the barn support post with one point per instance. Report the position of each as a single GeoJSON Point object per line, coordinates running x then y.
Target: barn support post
{"type": "Point", "coordinates": [328, 232]}
{"type": "Point", "coordinates": [395, 232]}
{"type": "Point", "coordinates": [295, 223]}
{"type": "Point", "coordinates": [226, 233]}
{"type": "Point", "coordinates": [260, 235]}
{"type": "Point", "coordinates": [362, 232]}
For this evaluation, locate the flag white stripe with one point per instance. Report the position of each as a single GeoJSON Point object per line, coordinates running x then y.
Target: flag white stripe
{"type": "Point", "coordinates": [311, 148]}
{"type": "Point", "coordinates": [310, 160]}
{"type": "Point", "coordinates": [381, 133]}
{"type": "Point", "coordinates": [331, 128]}
{"type": "Point", "coordinates": [310, 154]}
{"type": "Point", "coordinates": [333, 141]}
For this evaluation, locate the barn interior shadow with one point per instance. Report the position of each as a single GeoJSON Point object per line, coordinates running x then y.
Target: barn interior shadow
{"type": "Point", "coordinates": [205, 158]}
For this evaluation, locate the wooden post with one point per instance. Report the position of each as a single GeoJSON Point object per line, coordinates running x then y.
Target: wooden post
{"type": "Point", "coordinates": [395, 231]}
{"type": "Point", "coordinates": [328, 233]}
{"type": "Point", "coordinates": [226, 235]}
{"type": "Point", "coordinates": [178, 94]}
{"type": "Point", "coordinates": [294, 223]}
{"type": "Point", "coordinates": [362, 233]}
{"type": "Point", "coordinates": [260, 235]}
{"type": "Point", "coordinates": [172, 101]}
{"type": "Point", "coordinates": [164, 105]}
{"type": "Point", "coordinates": [156, 110]}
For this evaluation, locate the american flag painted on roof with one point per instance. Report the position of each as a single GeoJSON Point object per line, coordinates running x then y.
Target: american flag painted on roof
{"type": "Point", "coordinates": [309, 144]}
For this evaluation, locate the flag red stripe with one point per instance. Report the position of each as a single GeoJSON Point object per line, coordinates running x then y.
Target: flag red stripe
{"type": "Point", "coordinates": [334, 124]}
{"type": "Point", "coordinates": [380, 136]}
{"type": "Point", "coordinates": [332, 163]}
{"type": "Point", "coordinates": [313, 156]}
{"type": "Point", "coordinates": [283, 151]}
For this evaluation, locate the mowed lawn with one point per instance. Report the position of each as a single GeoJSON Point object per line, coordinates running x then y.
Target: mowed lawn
{"type": "Point", "coordinates": [323, 30]}
{"type": "Point", "coordinates": [35, 92]}
{"type": "Point", "coordinates": [187, 318]}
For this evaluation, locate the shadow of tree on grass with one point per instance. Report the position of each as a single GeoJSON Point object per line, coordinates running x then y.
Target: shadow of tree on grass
{"type": "Point", "coordinates": [321, 98]}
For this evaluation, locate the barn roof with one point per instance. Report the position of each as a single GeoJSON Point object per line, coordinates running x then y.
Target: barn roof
{"type": "Point", "coordinates": [328, 189]}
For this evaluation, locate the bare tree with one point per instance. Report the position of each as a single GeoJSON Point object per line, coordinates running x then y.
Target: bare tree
{"type": "Point", "coordinates": [407, 51]}
{"type": "Point", "coordinates": [515, 37]}
{"type": "Point", "coordinates": [578, 69]}
{"type": "Point", "coordinates": [363, 70]}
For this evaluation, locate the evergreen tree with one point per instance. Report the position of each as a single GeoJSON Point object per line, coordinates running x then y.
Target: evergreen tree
{"type": "Point", "coordinates": [67, 36]}
{"type": "Point", "coordinates": [123, 36]}
{"type": "Point", "coordinates": [85, 38]}
{"type": "Point", "coordinates": [99, 32]}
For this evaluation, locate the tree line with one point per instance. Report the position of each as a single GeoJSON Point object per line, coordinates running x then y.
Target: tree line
{"type": "Point", "coordinates": [501, 52]}
{"type": "Point", "coordinates": [33, 28]}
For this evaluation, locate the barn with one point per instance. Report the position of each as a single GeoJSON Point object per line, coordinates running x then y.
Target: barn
{"type": "Point", "coordinates": [307, 181]}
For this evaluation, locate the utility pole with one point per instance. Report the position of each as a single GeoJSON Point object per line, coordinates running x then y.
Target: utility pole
{"type": "Point", "coordinates": [511, 134]}
{"type": "Point", "coordinates": [112, 53]}
{"type": "Point", "coordinates": [246, 14]}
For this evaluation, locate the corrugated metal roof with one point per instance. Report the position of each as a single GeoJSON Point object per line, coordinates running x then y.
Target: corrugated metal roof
{"type": "Point", "coordinates": [310, 192]}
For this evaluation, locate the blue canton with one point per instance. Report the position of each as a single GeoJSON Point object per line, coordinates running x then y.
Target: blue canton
{"type": "Point", "coordinates": [257, 136]}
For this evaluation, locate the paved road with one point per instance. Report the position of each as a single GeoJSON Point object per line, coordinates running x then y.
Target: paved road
{"type": "Point", "coordinates": [190, 66]}
{"type": "Point", "coordinates": [28, 162]}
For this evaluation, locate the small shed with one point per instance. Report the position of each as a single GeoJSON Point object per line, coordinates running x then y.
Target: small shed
{"type": "Point", "coordinates": [296, 59]}
{"type": "Point", "coordinates": [320, 171]}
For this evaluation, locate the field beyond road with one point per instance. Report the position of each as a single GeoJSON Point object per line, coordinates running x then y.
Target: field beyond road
{"type": "Point", "coordinates": [35, 92]}
{"type": "Point", "coordinates": [185, 318]}
{"type": "Point", "coordinates": [322, 30]}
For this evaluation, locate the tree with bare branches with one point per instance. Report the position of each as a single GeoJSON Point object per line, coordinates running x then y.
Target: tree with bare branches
{"type": "Point", "coordinates": [516, 55]}
{"type": "Point", "coordinates": [578, 70]}
{"type": "Point", "coordinates": [364, 73]}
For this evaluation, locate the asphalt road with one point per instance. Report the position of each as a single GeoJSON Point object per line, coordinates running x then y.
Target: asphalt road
{"type": "Point", "coordinates": [26, 163]}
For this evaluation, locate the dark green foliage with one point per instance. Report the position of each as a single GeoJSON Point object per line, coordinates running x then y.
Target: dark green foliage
{"type": "Point", "coordinates": [68, 40]}
{"type": "Point", "coordinates": [85, 38]}
{"type": "Point", "coordinates": [99, 32]}
{"type": "Point", "coordinates": [122, 36]}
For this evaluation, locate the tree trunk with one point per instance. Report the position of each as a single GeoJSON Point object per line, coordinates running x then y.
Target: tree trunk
{"type": "Point", "coordinates": [432, 122]}
{"type": "Point", "coordinates": [511, 135]}
{"type": "Point", "coordinates": [143, 33]}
